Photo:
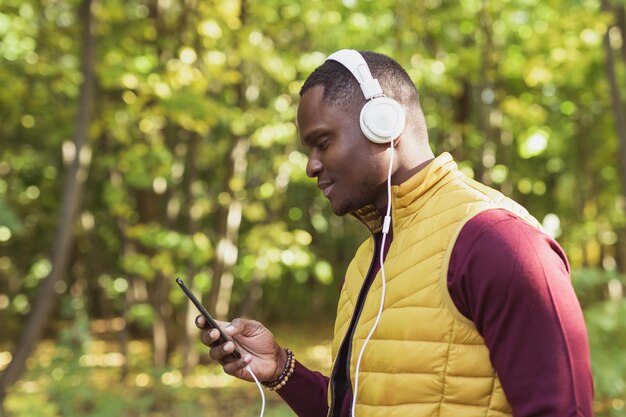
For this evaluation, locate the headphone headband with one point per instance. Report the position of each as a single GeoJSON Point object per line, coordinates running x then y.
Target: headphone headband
{"type": "Point", "coordinates": [356, 64]}
{"type": "Point", "coordinates": [382, 118]}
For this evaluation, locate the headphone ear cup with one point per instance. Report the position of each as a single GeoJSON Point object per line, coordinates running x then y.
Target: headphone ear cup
{"type": "Point", "coordinates": [382, 119]}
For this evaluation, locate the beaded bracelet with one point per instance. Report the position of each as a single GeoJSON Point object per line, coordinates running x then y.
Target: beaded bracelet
{"type": "Point", "coordinates": [280, 382]}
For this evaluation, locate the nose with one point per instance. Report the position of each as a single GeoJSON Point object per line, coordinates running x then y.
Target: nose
{"type": "Point", "coordinates": [313, 167]}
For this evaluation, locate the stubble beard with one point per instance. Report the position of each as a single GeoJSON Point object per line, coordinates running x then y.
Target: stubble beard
{"type": "Point", "coordinates": [366, 195]}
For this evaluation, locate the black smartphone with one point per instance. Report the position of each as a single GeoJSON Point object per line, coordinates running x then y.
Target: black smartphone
{"type": "Point", "coordinates": [212, 323]}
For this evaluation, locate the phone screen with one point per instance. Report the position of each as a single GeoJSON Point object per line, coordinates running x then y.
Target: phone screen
{"type": "Point", "coordinates": [212, 323]}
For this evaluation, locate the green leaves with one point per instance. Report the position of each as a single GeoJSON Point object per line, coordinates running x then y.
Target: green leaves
{"type": "Point", "coordinates": [144, 163]}
{"type": "Point", "coordinates": [195, 110]}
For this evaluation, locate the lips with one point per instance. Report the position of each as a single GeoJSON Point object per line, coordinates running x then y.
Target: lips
{"type": "Point", "coordinates": [326, 187]}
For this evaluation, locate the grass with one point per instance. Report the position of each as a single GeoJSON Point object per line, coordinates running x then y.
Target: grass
{"type": "Point", "coordinates": [70, 382]}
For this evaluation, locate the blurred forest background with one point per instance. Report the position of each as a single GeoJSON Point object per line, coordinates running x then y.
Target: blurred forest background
{"type": "Point", "coordinates": [142, 140]}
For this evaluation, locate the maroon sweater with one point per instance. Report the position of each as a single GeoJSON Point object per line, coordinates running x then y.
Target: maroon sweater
{"type": "Point", "coordinates": [513, 282]}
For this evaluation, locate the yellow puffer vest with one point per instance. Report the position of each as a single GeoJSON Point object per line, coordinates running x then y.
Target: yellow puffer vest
{"type": "Point", "coordinates": [425, 358]}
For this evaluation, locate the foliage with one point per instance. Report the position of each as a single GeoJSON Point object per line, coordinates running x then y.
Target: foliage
{"type": "Point", "coordinates": [196, 170]}
{"type": "Point", "coordinates": [74, 377]}
{"type": "Point", "coordinates": [605, 314]}
{"type": "Point", "coordinates": [73, 389]}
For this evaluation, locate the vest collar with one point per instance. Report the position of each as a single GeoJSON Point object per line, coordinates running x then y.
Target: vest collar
{"type": "Point", "coordinates": [407, 197]}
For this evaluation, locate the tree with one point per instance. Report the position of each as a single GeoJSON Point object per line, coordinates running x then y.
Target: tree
{"type": "Point", "coordinates": [78, 161]}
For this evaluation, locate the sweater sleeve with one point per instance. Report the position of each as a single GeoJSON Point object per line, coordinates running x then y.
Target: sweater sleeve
{"type": "Point", "coordinates": [306, 392]}
{"type": "Point", "coordinates": [513, 282]}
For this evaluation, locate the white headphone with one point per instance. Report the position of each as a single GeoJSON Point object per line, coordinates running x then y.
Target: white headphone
{"type": "Point", "coordinates": [382, 118]}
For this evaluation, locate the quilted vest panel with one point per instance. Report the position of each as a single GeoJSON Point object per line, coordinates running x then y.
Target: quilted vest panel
{"type": "Point", "coordinates": [425, 358]}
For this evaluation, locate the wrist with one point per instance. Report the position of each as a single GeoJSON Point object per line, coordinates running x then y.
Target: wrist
{"type": "Point", "coordinates": [284, 372]}
{"type": "Point", "coordinates": [282, 357]}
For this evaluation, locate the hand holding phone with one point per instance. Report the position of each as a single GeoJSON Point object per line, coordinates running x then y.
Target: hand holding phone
{"type": "Point", "coordinates": [212, 323]}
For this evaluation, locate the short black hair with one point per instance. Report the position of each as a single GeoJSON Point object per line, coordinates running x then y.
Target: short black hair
{"type": "Point", "coordinates": [341, 88]}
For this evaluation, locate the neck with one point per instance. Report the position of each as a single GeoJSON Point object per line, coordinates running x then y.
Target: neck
{"type": "Point", "coordinates": [411, 163]}
{"type": "Point", "coordinates": [408, 166]}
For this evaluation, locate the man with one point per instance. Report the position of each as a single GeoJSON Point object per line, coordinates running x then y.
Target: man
{"type": "Point", "coordinates": [479, 317]}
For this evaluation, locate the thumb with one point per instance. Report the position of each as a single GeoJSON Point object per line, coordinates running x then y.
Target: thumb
{"type": "Point", "coordinates": [246, 328]}
{"type": "Point", "coordinates": [235, 327]}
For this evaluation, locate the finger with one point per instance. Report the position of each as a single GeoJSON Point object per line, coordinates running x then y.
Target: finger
{"type": "Point", "coordinates": [236, 366]}
{"type": "Point", "coordinates": [201, 323]}
{"type": "Point", "coordinates": [209, 337]}
{"type": "Point", "coordinates": [222, 352]}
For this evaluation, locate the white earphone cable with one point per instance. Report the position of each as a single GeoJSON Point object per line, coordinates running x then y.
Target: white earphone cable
{"type": "Point", "coordinates": [386, 225]}
{"type": "Point", "coordinates": [258, 384]}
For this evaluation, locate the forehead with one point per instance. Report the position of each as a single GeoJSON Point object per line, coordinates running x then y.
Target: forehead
{"type": "Point", "coordinates": [312, 101]}
{"type": "Point", "coordinates": [317, 114]}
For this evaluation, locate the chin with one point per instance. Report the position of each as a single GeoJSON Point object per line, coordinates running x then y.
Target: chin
{"type": "Point", "coordinates": [341, 210]}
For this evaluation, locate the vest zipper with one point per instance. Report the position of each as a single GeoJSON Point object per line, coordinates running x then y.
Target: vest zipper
{"type": "Point", "coordinates": [350, 333]}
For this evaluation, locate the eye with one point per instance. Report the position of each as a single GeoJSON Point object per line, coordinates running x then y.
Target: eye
{"type": "Point", "coordinates": [322, 143]}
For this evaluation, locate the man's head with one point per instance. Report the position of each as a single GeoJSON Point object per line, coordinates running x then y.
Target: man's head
{"type": "Point", "coordinates": [351, 170]}
{"type": "Point", "coordinates": [342, 89]}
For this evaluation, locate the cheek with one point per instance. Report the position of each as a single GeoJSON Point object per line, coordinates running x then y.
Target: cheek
{"type": "Point", "coordinates": [372, 169]}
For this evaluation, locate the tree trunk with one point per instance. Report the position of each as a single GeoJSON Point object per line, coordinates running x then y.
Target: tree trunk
{"type": "Point", "coordinates": [123, 335]}
{"type": "Point", "coordinates": [161, 334]}
{"type": "Point", "coordinates": [620, 22]}
{"type": "Point", "coordinates": [63, 239]}
{"type": "Point", "coordinates": [227, 250]}
{"type": "Point", "coordinates": [253, 295]}
{"type": "Point", "coordinates": [190, 355]}
{"type": "Point", "coordinates": [616, 101]}
{"type": "Point", "coordinates": [486, 98]}
{"type": "Point", "coordinates": [159, 339]}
